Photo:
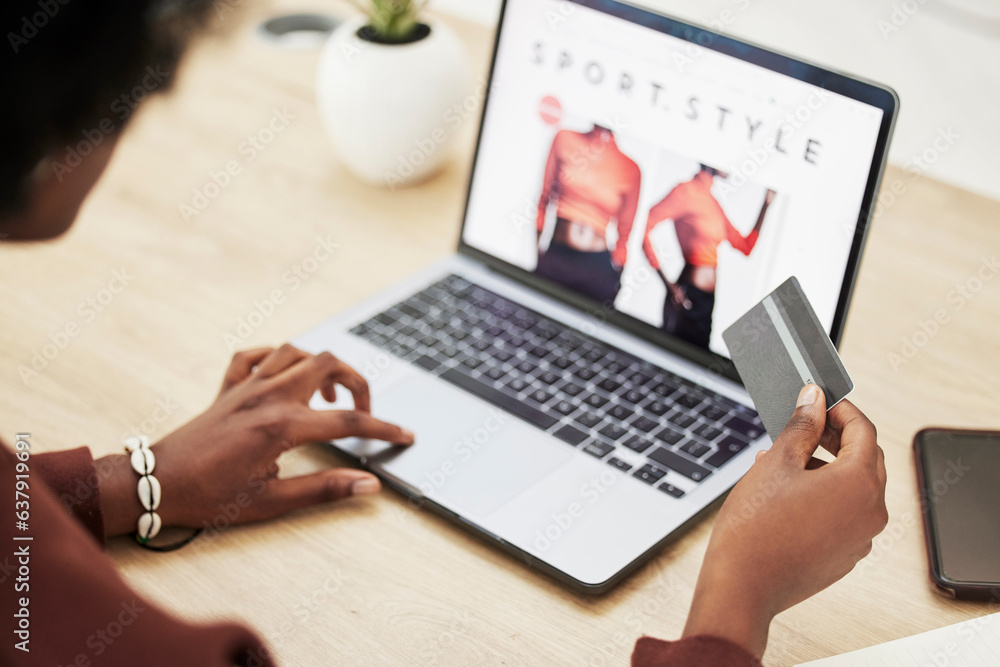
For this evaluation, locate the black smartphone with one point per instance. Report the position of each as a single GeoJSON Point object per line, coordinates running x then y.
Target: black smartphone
{"type": "Point", "coordinates": [958, 475]}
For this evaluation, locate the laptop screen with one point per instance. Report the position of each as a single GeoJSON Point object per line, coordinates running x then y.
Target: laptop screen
{"type": "Point", "coordinates": [667, 173]}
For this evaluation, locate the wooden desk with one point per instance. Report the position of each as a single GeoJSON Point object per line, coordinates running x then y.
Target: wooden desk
{"type": "Point", "coordinates": [373, 581]}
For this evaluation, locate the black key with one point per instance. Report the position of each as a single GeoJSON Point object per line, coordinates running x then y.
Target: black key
{"type": "Point", "coordinates": [428, 341]}
{"type": "Point", "coordinates": [548, 377]}
{"type": "Point", "coordinates": [571, 389]}
{"type": "Point", "coordinates": [620, 412]}
{"type": "Point", "coordinates": [657, 408]}
{"type": "Point", "coordinates": [637, 444]}
{"type": "Point", "coordinates": [594, 400]}
{"type": "Point", "coordinates": [650, 474]}
{"type": "Point", "coordinates": [500, 399]}
{"type": "Point", "coordinates": [740, 425]}
{"type": "Point", "coordinates": [713, 412]}
{"type": "Point", "coordinates": [410, 310]}
{"type": "Point", "coordinates": [517, 384]}
{"type": "Point", "coordinates": [664, 389]}
{"type": "Point", "coordinates": [682, 419]}
{"type": "Point", "coordinates": [539, 396]}
{"type": "Point", "coordinates": [670, 435]}
{"type": "Point", "coordinates": [593, 355]}
{"type": "Point", "coordinates": [688, 400]}
{"type": "Point", "coordinates": [729, 447]}
{"type": "Point", "coordinates": [472, 362]}
{"type": "Point", "coordinates": [588, 419]}
{"type": "Point", "coordinates": [695, 449]}
{"type": "Point", "coordinates": [562, 362]}
{"type": "Point", "coordinates": [708, 431]}
{"type": "Point", "coordinates": [609, 385]}
{"type": "Point", "coordinates": [682, 465]}
{"type": "Point", "coordinates": [493, 373]}
{"type": "Point", "coordinates": [633, 396]}
{"type": "Point", "coordinates": [639, 378]}
{"type": "Point", "coordinates": [618, 463]}
{"type": "Point", "coordinates": [494, 331]}
{"type": "Point", "coordinates": [585, 373]}
{"type": "Point", "coordinates": [502, 355]}
{"type": "Point", "coordinates": [644, 424]}
{"type": "Point", "coordinates": [598, 449]}
{"type": "Point", "coordinates": [407, 330]}
{"type": "Point", "coordinates": [613, 432]}
{"type": "Point", "coordinates": [564, 407]}
{"type": "Point", "coordinates": [671, 489]}
{"type": "Point", "coordinates": [526, 366]}
{"type": "Point", "coordinates": [614, 368]}
{"type": "Point", "coordinates": [571, 435]}
{"type": "Point", "coordinates": [545, 333]}
{"type": "Point", "coordinates": [426, 362]}
{"type": "Point", "coordinates": [481, 344]}
{"type": "Point", "coordinates": [385, 318]}
{"type": "Point", "coordinates": [539, 352]}
{"type": "Point", "coordinates": [360, 330]}
{"type": "Point", "coordinates": [437, 325]}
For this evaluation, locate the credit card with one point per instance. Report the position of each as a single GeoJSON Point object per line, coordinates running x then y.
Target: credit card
{"type": "Point", "coordinates": [780, 345]}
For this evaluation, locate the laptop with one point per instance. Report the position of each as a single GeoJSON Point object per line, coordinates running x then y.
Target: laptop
{"type": "Point", "coordinates": [638, 184]}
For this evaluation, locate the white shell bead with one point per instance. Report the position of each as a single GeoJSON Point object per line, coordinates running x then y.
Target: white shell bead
{"type": "Point", "coordinates": [149, 492]}
{"type": "Point", "coordinates": [143, 461]}
{"type": "Point", "coordinates": [149, 525]}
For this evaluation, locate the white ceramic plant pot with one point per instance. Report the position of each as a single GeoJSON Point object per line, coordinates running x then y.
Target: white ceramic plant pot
{"type": "Point", "coordinates": [392, 110]}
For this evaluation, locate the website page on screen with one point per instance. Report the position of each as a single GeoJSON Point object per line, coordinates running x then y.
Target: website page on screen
{"type": "Point", "coordinates": [676, 184]}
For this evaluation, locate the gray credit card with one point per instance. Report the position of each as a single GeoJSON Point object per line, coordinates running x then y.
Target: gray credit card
{"type": "Point", "coordinates": [778, 346]}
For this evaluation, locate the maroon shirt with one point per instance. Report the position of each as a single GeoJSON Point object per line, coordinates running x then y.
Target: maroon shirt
{"type": "Point", "coordinates": [66, 604]}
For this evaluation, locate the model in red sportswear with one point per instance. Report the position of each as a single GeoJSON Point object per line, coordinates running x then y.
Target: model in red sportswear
{"type": "Point", "coordinates": [593, 185]}
{"type": "Point", "coordinates": [701, 225]}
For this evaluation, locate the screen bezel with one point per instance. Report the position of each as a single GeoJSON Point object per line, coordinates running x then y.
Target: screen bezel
{"type": "Point", "coordinates": [868, 92]}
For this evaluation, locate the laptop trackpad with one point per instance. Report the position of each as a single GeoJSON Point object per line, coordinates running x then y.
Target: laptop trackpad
{"type": "Point", "coordinates": [468, 455]}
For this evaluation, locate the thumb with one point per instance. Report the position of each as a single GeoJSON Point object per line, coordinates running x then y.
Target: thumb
{"type": "Point", "coordinates": [801, 435]}
{"type": "Point", "coordinates": [285, 495]}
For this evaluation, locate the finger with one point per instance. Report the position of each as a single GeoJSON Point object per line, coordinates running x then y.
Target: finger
{"type": "Point", "coordinates": [321, 425]}
{"type": "Point", "coordinates": [802, 434]}
{"type": "Point", "coordinates": [285, 495]}
{"type": "Point", "coordinates": [284, 357]}
{"type": "Point", "coordinates": [334, 372]}
{"type": "Point", "coordinates": [760, 455]}
{"type": "Point", "coordinates": [242, 366]}
{"type": "Point", "coordinates": [857, 437]}
{"type": "Point", "coordinates": [325, 371]}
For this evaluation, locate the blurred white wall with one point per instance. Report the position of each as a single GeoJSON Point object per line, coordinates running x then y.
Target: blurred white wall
{"type": "Point", "coordinates": [941, 56]}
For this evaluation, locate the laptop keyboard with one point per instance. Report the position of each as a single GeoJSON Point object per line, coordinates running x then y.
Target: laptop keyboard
{"type": "Point", "coordinates": [640, 419]}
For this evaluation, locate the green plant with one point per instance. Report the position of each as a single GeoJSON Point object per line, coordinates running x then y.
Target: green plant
{"type": "Point", "coordinates": [392, 21]}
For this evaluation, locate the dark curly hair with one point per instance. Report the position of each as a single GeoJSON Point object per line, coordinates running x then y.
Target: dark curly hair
{"type": "Point", "coordinates": [73, 70]}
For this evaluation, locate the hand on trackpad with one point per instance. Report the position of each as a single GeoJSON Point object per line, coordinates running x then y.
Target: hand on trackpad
{"type": "Point", "coordinates": [468, 455]}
